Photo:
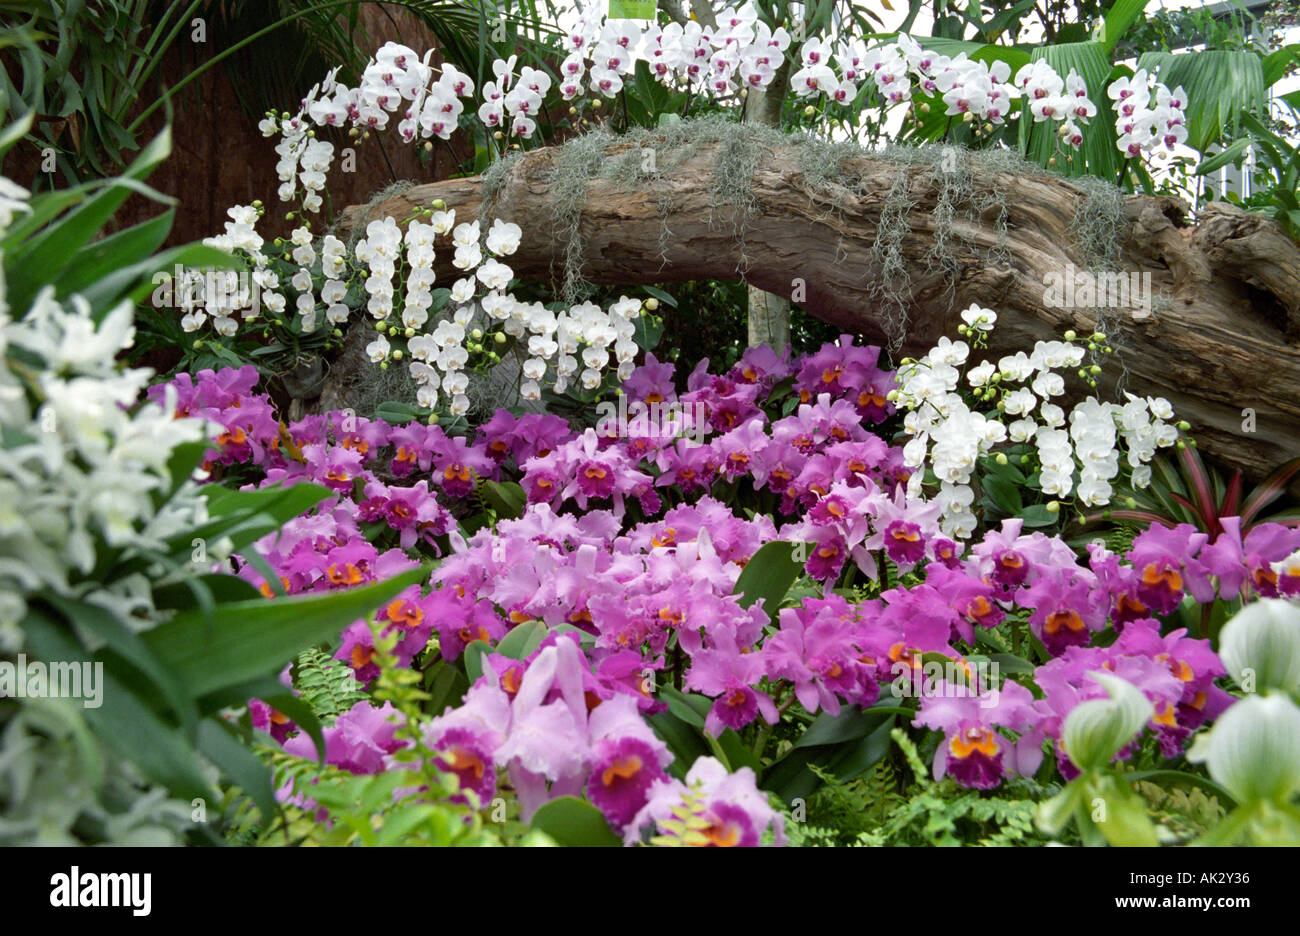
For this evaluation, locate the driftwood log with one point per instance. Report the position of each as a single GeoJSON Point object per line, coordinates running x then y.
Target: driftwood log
{"type": "Point", "coordinates": [1221, 342]}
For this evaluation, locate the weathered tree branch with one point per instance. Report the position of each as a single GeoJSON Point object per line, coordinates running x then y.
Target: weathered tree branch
{"type": "Point", "coordinates": [1221, 337]}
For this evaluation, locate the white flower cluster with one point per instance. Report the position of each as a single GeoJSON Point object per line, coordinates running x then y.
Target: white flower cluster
{"type": "Point", "coordinates": [1141, 128]}
{"type": "Point", "coordinates": [439, 357]}
{"type": "Point", "coordinates": [303, 159]}
{"type": "Point", "coordinates": [513, 100]}
{"type": "Point", "coordinates": [1050, 98]}
{"type": "Point", "coordinates": [740, 53]}
{"type": "Point", "coordinates": [981, 90]}
{"type": "Point", "coordinates": [949, 436]}
{"type": "Point", "coordinates": [226, 293]}
{"type": "Point", "coordinates": [81, 467]}
{"type": "Point", "coordinates": [395, 79]}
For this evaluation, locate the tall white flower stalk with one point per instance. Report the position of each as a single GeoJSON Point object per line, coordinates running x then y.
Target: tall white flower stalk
{"type": "Point", "coordinates": [1012, 402]}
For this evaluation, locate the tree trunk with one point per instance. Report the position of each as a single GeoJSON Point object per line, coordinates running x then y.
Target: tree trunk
{"type": "Point", "coordinates": [1220, 341]}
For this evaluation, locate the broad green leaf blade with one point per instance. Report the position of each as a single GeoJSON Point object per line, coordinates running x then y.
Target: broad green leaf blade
{"type": "Point", "coordinates": [1221, 87]}
{"type": "Point", "coordinates": [768, 576]}
{"type": "Point", "coordinates": [124, 722]}
{"type": "Point", "coordinates": [106, 255]}
{"type": "Point", "coordinates": [575, 822]}
{"type": "Point", "coordinates": [256, 637]}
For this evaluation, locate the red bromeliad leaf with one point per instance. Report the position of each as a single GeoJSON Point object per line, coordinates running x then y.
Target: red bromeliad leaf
{"type": "Point", "coordinates": [1199, 485]}
{"type": "Point", "coordinates": [1141, 516]}
{"type": "Point", "coordinates": [1267, 491]}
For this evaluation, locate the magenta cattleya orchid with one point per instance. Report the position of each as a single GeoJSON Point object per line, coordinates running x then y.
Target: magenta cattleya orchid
{"type": "Point", "coordinates": [628, 555]}
{"type": "Point", "coordinates": [974, 752]}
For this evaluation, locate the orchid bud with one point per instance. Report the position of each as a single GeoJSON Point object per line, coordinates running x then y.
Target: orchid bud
{"type": "Point", "coordinates": [1096, 730]}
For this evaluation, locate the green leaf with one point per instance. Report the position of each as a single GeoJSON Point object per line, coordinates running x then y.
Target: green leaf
{"type": "Point", "coordinates": [522, 640]}
{"type": "Point", "coordinates": [684, 741]}
{"type": "Point", "coordinates": [767, 577]}
{"type": "Point", "coordinates": [255, 637]}
{"type": "Point", "coordinates": [507, 498]}
{"type": "Point", "coordinates": [474, 652]}
{"type": "Point", "coordinates": [574, 822]}
{"type": "Point", "coordinates": [1221, 85]}
{"type": "Point", "coordinates": [45, 256]}
{"type": "Point", "coordinates": [1005, 494]}
{"type": "Point", "coordinates": [1037, 515]}
{"type": "Point", "coordinates": [1118, 21]}
{"type": "Point", "coordinates": [690, 707]}
{"type": "Point", "coordinates": [1229, 155]}
{"type": "Point", "coordinates": [219, 745]}
{"type": "Point", "coordinates": [124, 722]}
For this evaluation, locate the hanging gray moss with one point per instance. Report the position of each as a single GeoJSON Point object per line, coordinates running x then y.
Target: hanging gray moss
{"type": "Point", "coordinates": [894, 282]}
{"type": "Point", "coordinates": [1099, 221]}
{"type": "Point", "coordinates": [831, 176]}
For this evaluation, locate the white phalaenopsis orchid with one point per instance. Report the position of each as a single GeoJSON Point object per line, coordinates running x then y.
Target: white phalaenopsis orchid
{"type": "Point", "coordinates": [1078, 454]}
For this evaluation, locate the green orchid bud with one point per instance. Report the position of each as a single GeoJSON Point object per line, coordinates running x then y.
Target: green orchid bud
{"type": "Point", "coordinates": [1053, 507]}
{"type": "Point", "coordinates": [337, 333]}
{"type": "Point", "coordinates": [198, 343]}
{"type": "Point", "coordinates": [1001, 458]}
{"type": "Point", "coordinates": [809, 111]}
{"type": "Point", "coordinates": [1096, 730]}
{"type": "Point", "coordinates": [438, 204]}
{"type": "Point", "coordinates": [432, 420]}
{"type": "Point", "coordinates": [1071, 335]}
{"type": "Point", "coordinates": [499, 337]}
{"type": "Point", "coordinates": [652, 303]}
{"type": "Point", "coordinates": [1253, 750]}
{"type": "Point", "coordinates": [392, 331]}
{"type": "Point", "coordinates": [1260, 646]}
{"type": "Point", "coordinates": [397, 354]}
{"type": "Point", "coordinates": [1094, 369]}
{"type": "Point", "coordinates": [409, 333]}
{"type": "Point", "coordinates": [476, 334]}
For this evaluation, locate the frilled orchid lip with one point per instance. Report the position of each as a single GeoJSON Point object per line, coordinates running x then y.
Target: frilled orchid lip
{"type": "Point", "coordinates": [404, 613]}
{"type": "Point", "coordinates": [470, 633]}
{"type": "Point", "coordinates": [667, 538]}
{"type": "Point", "coordinates": [349, 574]}
{"type": "Point", "coordinates": [360, 656]}
{"type": "Point", "coordinates": [456, 473]}
{"type": "Point", "coordinates": [1066, 619]}
{"type": "Point", "coordinates": [979, 608]}
{"type": "Point", "coordinates": [974, 741]}
{"type": "Point", "coordinates": [1166, 715]}
{"type": "Point", "coordinates": [1180, 668]}
{"type": "Point", "coordinates": [621, 768]}
{"type": "Point", "coordinates": [1155, 576]}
